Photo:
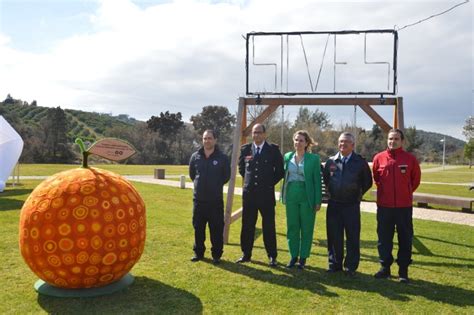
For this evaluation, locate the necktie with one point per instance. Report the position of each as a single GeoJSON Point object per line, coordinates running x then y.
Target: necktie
{"type": "Point", "coordinates": [257, 153]}
{"type": "Point", "coordinates": [343, 162]}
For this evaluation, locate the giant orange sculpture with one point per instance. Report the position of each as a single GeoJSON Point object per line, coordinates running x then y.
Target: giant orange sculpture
{"type": "Point", "coordinates": [82, 228]}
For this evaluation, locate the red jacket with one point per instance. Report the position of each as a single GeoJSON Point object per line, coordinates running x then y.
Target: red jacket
{"type": "Point", "coordinates": [397, 175]}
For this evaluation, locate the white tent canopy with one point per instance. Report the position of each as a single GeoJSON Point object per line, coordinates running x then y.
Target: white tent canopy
{"type": "Point", "coordinates": [11, 146]}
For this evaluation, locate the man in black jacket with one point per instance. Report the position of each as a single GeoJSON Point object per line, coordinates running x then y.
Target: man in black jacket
{"type": "Point", "coordinates": [261, 166]}
{"type": "Point", "coordinates": [209, 169]}
{"type": "Point", "coordinates": [347, 177]}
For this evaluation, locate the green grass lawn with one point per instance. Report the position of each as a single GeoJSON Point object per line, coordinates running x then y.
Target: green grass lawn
{"type": "Point", "coordinates": [167, 282]}
{"type": "Point", "coordinates": [461, 174]}
{"type": "Point", "coordinates": [425, 166]}
{"type": "Point", "coordinates": [50, 169]}
{"type": "Point", "coordinates": [460, 191]}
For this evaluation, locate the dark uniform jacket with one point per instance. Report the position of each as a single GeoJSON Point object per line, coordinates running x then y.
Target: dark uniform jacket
{"type": "Point", "coordinates": [261, 173]}
{"type": "Point", "coordinates": [349, 183]}
{"type": "Point", "coordinates": [209, 175]}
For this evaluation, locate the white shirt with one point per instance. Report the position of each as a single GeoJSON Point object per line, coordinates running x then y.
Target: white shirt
{"type": "Point", "coordinates": [340, 157]}
{"type": "Point", "coordinates": [258, 146]}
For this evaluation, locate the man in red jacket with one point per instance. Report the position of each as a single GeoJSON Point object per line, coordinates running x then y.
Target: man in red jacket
{"type": "Point", "coordinates": [397, 175]}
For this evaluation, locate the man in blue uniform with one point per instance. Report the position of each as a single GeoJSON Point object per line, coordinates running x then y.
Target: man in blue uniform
{"type": "Point", "coordinates": [209, 169]}
{"type": "Point", "coordinates": [347, 177]}
{"type": "Point", "coordinates": [261, 166]}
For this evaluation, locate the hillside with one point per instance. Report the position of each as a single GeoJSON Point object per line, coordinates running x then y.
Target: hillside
{"type": "Point", "coordinates": [87, 125]}
{"type": "Point", "coordinates": [47, 140]}
{"type": "Point", "coordinates": [432, 141]}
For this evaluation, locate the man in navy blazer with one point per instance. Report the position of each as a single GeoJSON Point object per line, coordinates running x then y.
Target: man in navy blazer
{"type": "Point", "coordinates": [261, 166]}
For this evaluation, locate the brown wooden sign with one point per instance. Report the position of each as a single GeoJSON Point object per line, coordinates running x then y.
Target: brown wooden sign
{"type": "Point", "coordinates": [112, 149]}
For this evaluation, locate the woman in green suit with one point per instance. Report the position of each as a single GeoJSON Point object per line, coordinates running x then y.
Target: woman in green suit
{"type": "Point", "coordinates": [301, 194]}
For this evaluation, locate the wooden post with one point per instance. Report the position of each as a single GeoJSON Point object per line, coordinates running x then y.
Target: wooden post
{"type": "Point", "coordinates": [375, 117]}
{"type": "Point", "coordinates": [243, 124]}
{"type": "Point", "coordinates": [233, 170]}
{"type": "Point", "coordinates": [399, 114]}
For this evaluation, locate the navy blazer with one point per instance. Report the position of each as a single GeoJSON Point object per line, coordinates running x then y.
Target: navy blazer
{"type": "Point", "coordinates": [261, 173]}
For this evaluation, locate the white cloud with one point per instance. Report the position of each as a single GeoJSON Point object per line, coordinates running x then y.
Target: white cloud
{"type": "Point", "coordinates": [185, 54]}
{"type": "Point", "coordinates": [4, 40]}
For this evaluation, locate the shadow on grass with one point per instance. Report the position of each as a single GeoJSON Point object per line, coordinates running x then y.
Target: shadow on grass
{"type": "Point", "coordinates": [444, 241]}
{"type": "Point", "coordinates": [296, 280]}
{"type": "Point", "coordinates": [317, 281]}
{"type": "Point", "coordinates": [145, 295]}
{"type": "Point", "coordinates": [7, 204]}
{"type": "Point", "coordinates": [394, 290]}
{"type": "Point", "coordinates": [15, 192]}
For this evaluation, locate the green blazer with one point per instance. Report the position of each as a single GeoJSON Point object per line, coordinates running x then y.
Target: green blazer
{"type": "Point", "coordinates": [312, 177]}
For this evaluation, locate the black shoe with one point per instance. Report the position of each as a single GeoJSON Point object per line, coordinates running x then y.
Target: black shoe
{"type": "Point", "coordinates": [333, 270]}
{"type": "Point", "coordinates": [350, 273]}
{"type": "Point", "coordinates": [301, 263]}
{"type": "Point", "coordinates": [383, 273]}
{"type": "Point", "coordinates": [404, 280]}
{"type": "Point", "coordinates": [292, 262]}
{"type": "Point", "coordinates": [196, 258]}
{"type": "Point", "coordinates": [216, 261]}
{"type": "Point", "coordinates": [272, 262]}
{"type": "Point", "coordinates": [403, 275]}
{"type": "Point", "coordinates": [243, 259]}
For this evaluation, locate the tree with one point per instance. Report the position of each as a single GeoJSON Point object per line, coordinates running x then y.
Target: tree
{"type": "Point", "coordinates": [469, 151]}
{"type": "Point", "coordinates": [413, 142]}
{"type": "Point", "coordinates": [370, 143]}
{"type": "Point", "coordinates": [468, 128]}
{"type": "Point", "coordinates": [305, 118]}
{"type": "Point", "coordinates": [170, 129]}
{"type": "Point", "coordinates": [167, 124]}
{"type": "Point", "coordinates": [55, 127]}
{"type": "Point", "coordinates": [218, 119]}
{"type": "Point", "coordinates": [9, 100]}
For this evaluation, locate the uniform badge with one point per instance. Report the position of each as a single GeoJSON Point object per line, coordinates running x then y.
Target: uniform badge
{"type": "Point", "coordinates": [403, 168]}
{"type": "Point", "coordinates": [215, 162]}
{"type": "Point", "coordinates": [332, 169]}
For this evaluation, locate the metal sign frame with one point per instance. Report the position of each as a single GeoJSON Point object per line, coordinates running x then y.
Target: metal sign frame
{"type": "Point", "coordinates": [251, 36]}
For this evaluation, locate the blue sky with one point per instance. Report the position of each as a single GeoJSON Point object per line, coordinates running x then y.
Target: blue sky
{"type": "Point", "coordinates": [144, 57]}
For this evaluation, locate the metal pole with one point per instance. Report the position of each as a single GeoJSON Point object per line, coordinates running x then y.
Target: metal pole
{"type": "Point", "coordinates": [354, 127]}
{"type": "Point", "coordinates": [282, 123]}
{"type": "Point", "coordinates": [444, 150]}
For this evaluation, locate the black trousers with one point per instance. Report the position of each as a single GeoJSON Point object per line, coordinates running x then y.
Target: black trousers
{"type": "Point", "coordinates": [212, 213]}
{"type": "Point", "coordinates": [387, 220]}
{"type": "Point", "coordinates": [340, 218]}
{"type": "Point", "coordinates": [253, 202]}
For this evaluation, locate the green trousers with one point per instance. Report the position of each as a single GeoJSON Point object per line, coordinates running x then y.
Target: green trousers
{"type": "Point", "coordinates": [300, 220]}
